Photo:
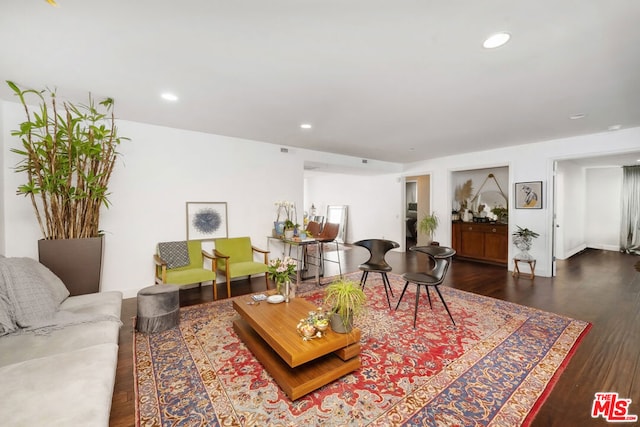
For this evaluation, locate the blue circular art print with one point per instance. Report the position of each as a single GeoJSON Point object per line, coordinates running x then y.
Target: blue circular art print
{"type": "Point", "coordinates": [207, 220]}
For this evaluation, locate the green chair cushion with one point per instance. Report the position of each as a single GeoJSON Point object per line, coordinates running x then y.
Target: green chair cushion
{"type": "Point", "coordinates": [189, 276]}
{"type": "Point", "coordinates": [194, 272]}
{"type": "Point", "coordinates": [240, 252]}
{"type": "Point", "coordinates": [237, 248]}
{"type": "Point", "coordinates": [249, 268]}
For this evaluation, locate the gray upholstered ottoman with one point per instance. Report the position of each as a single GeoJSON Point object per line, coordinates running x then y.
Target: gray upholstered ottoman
{"type": "Point", "coordinates": [158, 308]}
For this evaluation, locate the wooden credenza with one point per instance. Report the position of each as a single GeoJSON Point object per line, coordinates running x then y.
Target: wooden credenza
{"type": "Point", "coordinates": [481, 241]}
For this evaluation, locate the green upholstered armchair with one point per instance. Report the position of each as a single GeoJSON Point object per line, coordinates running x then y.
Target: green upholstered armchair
{"type": "Point", "coordinates": [182, 263]}
{"type": "Point", "coordinates": [234, 258]}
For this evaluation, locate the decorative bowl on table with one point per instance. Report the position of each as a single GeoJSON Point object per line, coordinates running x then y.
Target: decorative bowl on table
{"type": "Point", "coordinates": [307, 330]}
{"type": "Point", "coordinates": [321, 324]}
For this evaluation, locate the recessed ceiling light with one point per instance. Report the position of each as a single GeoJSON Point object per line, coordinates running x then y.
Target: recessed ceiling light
{"type": "Point", "coordinates": [169, 96]}
{"type": "Point", "coordinates": [578, 116]}
{"type": "Point", "coordinates": [305, 126]}
{"type": "Point", "coordinates": [496, 40]}
{"type": "Point", "coordinates": [614, 127]}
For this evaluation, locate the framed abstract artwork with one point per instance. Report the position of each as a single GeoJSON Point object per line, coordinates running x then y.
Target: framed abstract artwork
{"type": "Point", "coordinates": [206, 220]}
{"type": "Point", "coordinates": [528, 195]}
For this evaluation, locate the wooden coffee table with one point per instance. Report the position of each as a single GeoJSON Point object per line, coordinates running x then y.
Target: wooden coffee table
{"type": "Point", "coordinates": [298, 366]}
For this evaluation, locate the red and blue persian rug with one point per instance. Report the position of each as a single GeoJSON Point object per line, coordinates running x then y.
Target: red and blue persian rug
{"type": "Point", "coordinates": [494, 367]}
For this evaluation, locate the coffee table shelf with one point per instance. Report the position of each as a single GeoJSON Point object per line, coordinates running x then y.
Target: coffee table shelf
{"type": "Point", "coordinates": [298, 366]}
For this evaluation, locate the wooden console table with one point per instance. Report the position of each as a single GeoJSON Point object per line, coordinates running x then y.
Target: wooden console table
{"type": "Point", "coordinates": [484, 242]}
{"type": "Point", "coordinates": [298, 366]}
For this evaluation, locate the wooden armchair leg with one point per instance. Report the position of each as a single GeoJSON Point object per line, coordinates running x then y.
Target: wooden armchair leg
{"type": "Point", "coordinates": [266, 280]}
{"type": "Point", "coordinates": [228, 287]}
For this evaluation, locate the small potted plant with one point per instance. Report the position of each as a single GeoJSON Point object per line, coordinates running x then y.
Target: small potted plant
{"type": "Point", "coordinates": [289, 228]}
{"type": "Point", "coordinates": [428, 225]}
{"type": "Point", "coordinates": [501, 213]}
{"type": "Point", "coordinates": [346, 300]}
{"type": "Point", "coordinates": [523, 239]}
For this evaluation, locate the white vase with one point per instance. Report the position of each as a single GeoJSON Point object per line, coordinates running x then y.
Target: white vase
{"type": "Point", "coordinates": [288, 234]}
{"type": "Point", "coordinates": [524, 244]}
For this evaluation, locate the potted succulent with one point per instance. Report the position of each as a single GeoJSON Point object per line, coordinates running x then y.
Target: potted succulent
{"type": "Point", "coordinates": [501, 213]}
{"type": "Point", "coordinates": [68, 154]}
{"type": "Point", "coordinates": [523, 239]}
{"type": "Point", "coordinates": [289, 229]}
{"type": "Point", "coordinates": [346, 301]}
{"type": "Point", "coordinates": [428, 225]}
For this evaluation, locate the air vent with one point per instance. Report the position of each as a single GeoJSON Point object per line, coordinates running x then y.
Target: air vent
{"type": "Point", "coordinates": [284, 150]}
{"type": "Point", "coordinates": [365, 161]}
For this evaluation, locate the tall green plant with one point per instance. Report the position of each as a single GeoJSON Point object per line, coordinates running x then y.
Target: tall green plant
{"type": "Point", "coordinates": [428, 224]}
{"type": "Point", "coordinates": [68, 154]}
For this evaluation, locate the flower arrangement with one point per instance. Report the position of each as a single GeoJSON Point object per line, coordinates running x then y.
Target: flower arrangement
{"type": "Point", "coordinates": [280, 270]}
{"type": "Point", "coordinates": [285, 210]}
{"type": "Point", "coordinates": [285, 217]}
{"type": "Point", "coordinates": [463, 194]}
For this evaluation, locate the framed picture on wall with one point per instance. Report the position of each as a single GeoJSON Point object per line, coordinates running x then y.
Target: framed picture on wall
{"type": "Point", "coordinates": [528, 195]}
{"type": "Point", "coordinates": [206, 220]}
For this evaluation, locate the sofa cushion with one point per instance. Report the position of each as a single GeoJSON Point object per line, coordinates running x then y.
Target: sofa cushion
{"type": "Point", "coordinates": [107, 303]}
{"type": "Point", "coordinates": [67, 389]}
{"type": "Point", "coordinates": [7, 318]}
{"type": "Point", "coordinates": [7, 322]}
{"type": "Point", "coordinates": [33, 301]}
{"type": "Point", "coordinates": [50, 280]}
{"type": "Point", "coordinates": [94, 319]}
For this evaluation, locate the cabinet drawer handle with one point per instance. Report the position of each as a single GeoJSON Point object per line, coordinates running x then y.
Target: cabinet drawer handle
{"type": "Point", "coordinates": [470, 228]}
{"type": "Point", "coordinates": [494, 230]}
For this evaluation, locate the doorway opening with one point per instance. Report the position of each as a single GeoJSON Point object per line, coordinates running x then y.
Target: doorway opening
{"type": "Point", "coordinates": [417, 204]}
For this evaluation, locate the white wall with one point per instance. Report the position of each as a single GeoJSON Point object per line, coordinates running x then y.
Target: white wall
{"type": "Point", "coordinates": [160, 170]}
{"type": "Point", "coordinates": [570, 209]}
{"type": "Point", "coordinates": [588, 208]}
{"type": "Point", "coordinates": [603, 208]}
{"type": "Point", "coordinates": [374, 203]}
{"type": "Point", "coordinates": [529, 162]}
{"type": "Point", "coordinates": [2, 205]}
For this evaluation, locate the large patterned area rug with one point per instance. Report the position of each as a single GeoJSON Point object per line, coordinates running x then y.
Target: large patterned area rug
{"type": "Point", "coordinates": [494, 367]}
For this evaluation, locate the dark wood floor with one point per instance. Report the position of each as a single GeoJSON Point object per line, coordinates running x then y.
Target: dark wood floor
{"type": "Point", "coordinates": [601, 287]}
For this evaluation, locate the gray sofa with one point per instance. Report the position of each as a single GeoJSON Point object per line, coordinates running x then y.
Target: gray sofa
{"type": "Point", "coordinates": [58, 354]}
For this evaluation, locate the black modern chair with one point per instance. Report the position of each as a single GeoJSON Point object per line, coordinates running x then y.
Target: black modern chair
{"type": "Point", "coordinates": [376, 263]}
{"type": "Point", "coordinates": [440, 258]}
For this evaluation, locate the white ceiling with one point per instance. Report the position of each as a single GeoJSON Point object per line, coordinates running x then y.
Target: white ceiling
{"type": "Point", "coordinates": [379, 79]}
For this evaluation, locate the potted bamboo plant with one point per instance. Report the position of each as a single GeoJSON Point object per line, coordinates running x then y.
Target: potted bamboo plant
{"type": "Point", "coordinates": [68, 153]}
{"type": "Point", "coordinates": [346, 301]}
